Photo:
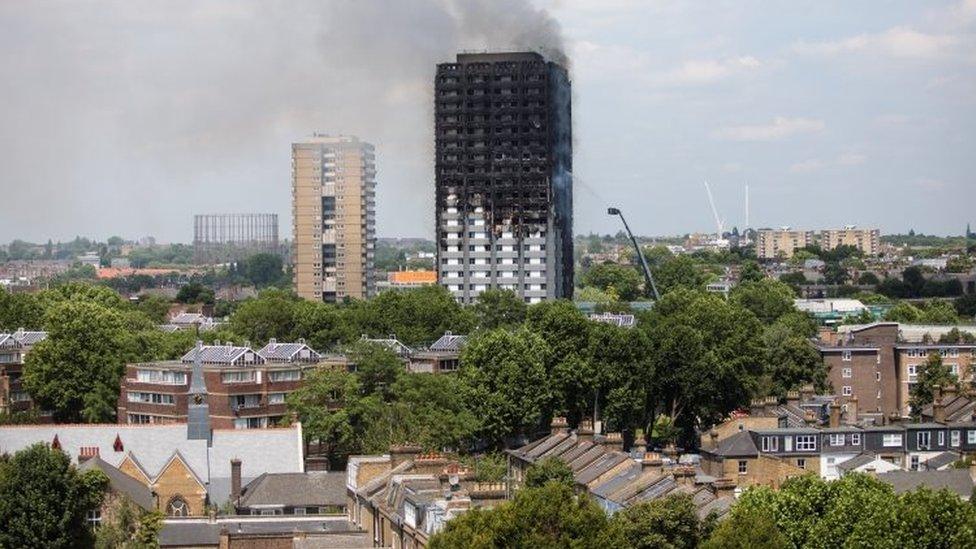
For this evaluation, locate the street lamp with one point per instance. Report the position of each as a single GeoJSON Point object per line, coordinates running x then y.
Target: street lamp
{"type": "Point", "coordinates": [648, 279]}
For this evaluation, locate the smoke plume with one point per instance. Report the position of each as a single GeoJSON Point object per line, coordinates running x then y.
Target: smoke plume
{"type": "Point", "coordinates": [128, 117]}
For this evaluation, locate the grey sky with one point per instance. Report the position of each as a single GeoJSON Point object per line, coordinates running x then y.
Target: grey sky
{"type": "Point", "coordinates": [129, 117]}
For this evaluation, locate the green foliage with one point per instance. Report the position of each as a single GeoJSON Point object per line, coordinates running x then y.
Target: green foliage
{"type": "Point", "coordinates": [768, 299]}
{"type": "Point", "coordinates": [550, 516]}
{"type": "Point", "coordinates": [44, 500]}
{"type": "Point", "coordinates": [868, 278]}
{"type": "Point", "coordinates": [416, 317]}
{"type": "Point", "coordinates": [670, 522]}
{"type": "Point", "coordinates": [751, 272]}
{"type": "Point", "coordinates": [747, 529]}
{"type": "Point", "coordinates": [128, 527]}
{"type": "Point", "coordinates": [195, 292]}
{"type": "Point", "coordinates": [790, 362]}
{"type": "Point", "coordinates": [932, 373]}
{"type": "Point", "coordinates": [75, 372]}
{"type": "Point", "coordinates": [623, 281]}
{"type": "Point", "coordinates": [263, 269]}
{"type": "Point", "coordinates": [271, 315]}
{"type": "Point", "coordinates": [20, 310]}
{"type": "Point", "coordinates": [491, 467]}
{"type": "Point", "coordinates": [855, 511]}
{"type": "Point", "coordinates": [155, 307]}
{"type": "Point", "coordinates": [678, 272]}
{"type": "Point", "coordinates": [546, 470]}
{"type": "Point", "coordinates": [590, 294]}
{"type": "Point", "coordinates": [429, 411]}
{"type": "Point", "coordinates": [377, 368]}
{"type": "Point", "coordinates": [161, 256]}
{"type": "Point", "coordinates": [903, 312]}
{"type": "Point", "coordinates": [505, 382]}
{"type": "Point", "coordinates": [499, 309]}
{"type": "Point", "coordinates": [965, 306]}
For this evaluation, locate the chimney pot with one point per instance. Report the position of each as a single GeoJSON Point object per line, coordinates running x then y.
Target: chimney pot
{"type": "Point", "coordinates": [235, 480]}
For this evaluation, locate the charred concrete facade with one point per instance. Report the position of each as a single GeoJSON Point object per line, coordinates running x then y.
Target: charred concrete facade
{"type": "Point", "coordinates": [504, 190]}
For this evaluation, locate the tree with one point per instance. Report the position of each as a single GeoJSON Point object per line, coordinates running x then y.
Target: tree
{"type": "Point", "coordinates": [505, 382]}
{"type": "Point", "coordinates": [263, 269]}
{"type": "Point", "coordinates": [567, 333]}
{"type": "Point", "coordinates": [938, 312]}
{"type": "Point", "coordinates": [270, 315]}
{"type": "Point", "coordinates": [75, 372]}
{"type": "Point", "coordinates": [416, 317]}
{"type": "Point", "coordinates": [550, 516]}
{"type": "Point", "coordinates": [377, 368]}
{"type": "Point", "coordinates": [44, 500]}
{"type": "Point", "coordinates": [836, 274]}
{"type": "Point", "coordinates": [965, 306]}
{"type": "Point", "coordinates": [128, 527]}
{"type": "Point", "coordinates": [790, 362]}
{"type": "Point", "coordinates": [868, 278]}
{"type": "Point", "coordinates": [430, 411]}
{"type": "Point", "coordinates": [498, 309]}
{"type": "Point", "coordinates": [546, 470]}
{"type": "Point", "coordinates": [155, 307]}
{"type": "Point", "coordinates": [747, 530]}
{"type": "Point", "coordinates": [903, 312]}
{"type": "Point", "coordinates": [670, 522]}
{"type": "Point", "coordinates": [195, 292]}
{"type": "Point", "coordinates": [914, 280]}
{"type": "Point", "coordinates": [20, 310]}
{"type": "Point", "coordinates": [933, 373]}
{"type": "Point", "coordinates": [678, 272]}
{"type": "Point", "coordinates": [620, 280]}
{"type": "Point", "coordinates": [767, 299]}
{"type": "Point", "coordinates": [751, 272]}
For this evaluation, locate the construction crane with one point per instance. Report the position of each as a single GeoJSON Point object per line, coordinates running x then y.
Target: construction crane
{"type": "Point", "coordinates": [648, 279]}
{"type": "Point", "coordinates": [719, 239]}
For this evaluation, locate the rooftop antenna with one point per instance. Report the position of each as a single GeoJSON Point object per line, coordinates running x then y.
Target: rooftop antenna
{"type": "Point", "coordinates": [711, 202]}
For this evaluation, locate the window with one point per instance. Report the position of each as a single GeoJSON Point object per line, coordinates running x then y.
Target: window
{"type": "Point", "coordinates": [954, 438]}
{"type": "Point", "coordinates": [953, 353]}
{"type": "Point", "coordinates": [912, 372]}
{"type": "Point", "coordinates": [743, 465]}
{"type": "Point", "coordinates": [836, 440]}
{"type": "Point", "coordinates": [856, 439]}
{"type": "Point", "coordinates": [924, 439]}
{"type": "Point", "coordinates": [298, 511]}
{"type": "Point", "coordinates": [877, 376]}
{"type": "Point", "coordinates": [286, 375]}
{"type": "Point", "coordinates": [914, 465]}
{"type": "Point", "coordinates": [94, 518]}
{"type": "Point", "coordinates": [150, 398]}
{"type": "Point", "coordinates": [801, 463]}
{"type": "Point", "coordinates": [770, 444]}
{"type": "Point", "coordinates": [177, 507]}
{"type": "Point", "coordinates": [788, 443]}
{"type": "Point", "coordinates": [941, 438]}
{"type": "Point", "coordinates": [140, 419]}
{"type": "Point", "coordinates": [891, 439]}
{"type": "Point", "coordinates": [237, 377]}
{"type": "Point", "coordinates": [847, 391]}
{"type": "Point", "coordinates": [245, 401]}
{"type": "Point", "coordinates": [846, 372]}
{"type": "Point", "coordinates": [161, 377]}
{"type": "Point", "coordinates": [846, 356]}
{"type": "Point", "coordinates": [276, 398]}
{"type": "Point", "coordinates": [806, 443]}
{"type": "Point", "coordinates": [971, 436]}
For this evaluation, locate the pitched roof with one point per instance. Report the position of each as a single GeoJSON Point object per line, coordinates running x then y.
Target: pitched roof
{"type": "Point", "coordinates": [856, 461]}
{"type": "Point", "coordinates": [137, 492]}
{"type": "Point", "coordinates": [941, 460]}
{"type": "Point", "coordinates": [296, 490]}
{"type": "Point", "coordinates": [28, 338]}
{"type": "Point", "coordinates": [957, 481]}
{"type": "Point", "coordinates": [223, 354]}
{"type": "Point", "coordinates": [449, 342]}
{"type": "Point", "coordinates": [737, 445]}
{"type": "Point", "coordinates": [289, 352]}
{"type": "Point", "coordinates": [7, 341]}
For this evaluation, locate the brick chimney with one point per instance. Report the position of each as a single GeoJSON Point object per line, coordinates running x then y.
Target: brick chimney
{"type": "Point", "coordinates": [793, 398]}
{"type": "Point", "coordinates": [235, 480]}
{"type": "Point", "coordinates": [852, 410]}
{"type": "Point", "coordinates": [756, 407]}
{"type": "Point", "coordinates": [938, 410]}
{"type": "Point", "coordinates": [723, 487]}
{"type": "Point", "coordinates": [712, 439]}
{"type": "Point", "coordinates": [949, 392]}
{"type": "Point", "coordinates": [585, 429]}
{"type": "Point", "coordinates": [640, 444]}
{"type": "Point", "coordinates": [613, 442]}
{"type": "Point", "coordinates": [834, 415]}
{"type": "Point", "coordinates": [806, 393]}
{"type": "Point", "coordinates": [558, 425]}
{"type": "Point", "coordinates": [87, 452]}
{"type": "Point", "coordinates": [652, 462]}
{"type": "Point", "coordinates": [403, 452]}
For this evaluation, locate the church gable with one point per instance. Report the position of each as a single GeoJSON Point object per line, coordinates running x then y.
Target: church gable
{"type": "Point", "coordinates": [180, 490]}
{"type": "Point", "coordinates": [131, 467]}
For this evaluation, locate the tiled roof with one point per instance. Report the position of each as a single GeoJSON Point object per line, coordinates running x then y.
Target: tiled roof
{"type": "Point", "coordinates": [296, 489]}
{"type": "Point", "coordinates": [8, 341]}
{"type": "Point", "coordinates": [600, 466]}
{"type": "Point", "coordinates": [449, 342]}
{"type": "Point", "coordinates": [28, 338]}
{"type": "Point", "coordinates": [273, 450]}
{"type": "Point", "coordinates": [223, 354]}
{"type": "Point", "coordinates": [856, 461]}
{"type": "Point", "coordinates": [137, 492]}
{"type": "Point", "coordinates": [288, 352]}
{"type": "Point", "coordinates": [941, 460]}
{"type": "Point", "coordinates": [957, 481]}
{"type": "Point", "coordinates": [737, 445]}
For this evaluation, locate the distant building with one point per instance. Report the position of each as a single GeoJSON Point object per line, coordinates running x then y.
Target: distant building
{"type": "Point", "coordinates": [221, 238]}
{"type": "Point", "coordinates": [13, 349]}
{"type": "Point", "coordinates": [90, 258]}
{"type": "Point", "coordinates": [333, 210]}
{"type": "Point", "coordinates": [781, 243]}
{"type": "Point", "coordinates": [867, 241]}
{"type": "Point", "coordinates": [504, 190]}
{"type": "Point", "coordinates": [401, 280]}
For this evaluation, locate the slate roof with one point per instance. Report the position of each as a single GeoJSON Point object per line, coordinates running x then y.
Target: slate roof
{"type": "Point", "coordinates": [28, 338]}
{"type": "Point", "coordinates": [856, 461]}
{"type": "Point", "coordinates": [289, 352]}
{"type": "Point", "coordinates": [223, 354]}
{"type": "Point", "coordinates": [333, 532]}
{"type": "Point", "coordinates": [312, 489]}
{"type": "Point", "coordinates": [137, 492]}
{"type": "Point", "coordinates": [941, 460]}
{"type": "Point", "coordinates": [391, 343]}
{"type": "Point", "coordinates": [449, 343]}
{"type": "Point", "coordinates": [737, 445]}
{"type": "Point", "coordinates": [957, 481]}
{"type": "Point", "coordinates": [7, 341]}
{"type": "Point", "coordinates": [958, 408]}
{"type": "Point", "coordinates": [272, 450]}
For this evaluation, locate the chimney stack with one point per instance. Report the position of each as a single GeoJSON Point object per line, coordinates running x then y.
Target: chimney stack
{"type": "Point", "coordinates": [558, 426]}
{"type": "Point", "coordinates": [793, 398]}
{"type": "Point", "coordinates": [852, 410]}
{"type": "Point", "coordinates": [949, 392]}
{"type": "Point", "coordinates": [585, 429]}
{"type": "Point", "coordinates": [613, 442]}
{"type": "Point", "coordinates": [834, 415]}
{"type": "Point", "coordinates": [640, 443]}
{"type": "Point", "coordinates": [652, 462]}
{"type": "Point", "coordinates": [235, 480]}
{"type": "Point", "coordinates": [938, 411]}
{"type": "Point", "coordinates": [403, 453]}
{"type": "Point", "coordinates": [712, 439]}
{"type": "Point", "coordinates": [806, 393]}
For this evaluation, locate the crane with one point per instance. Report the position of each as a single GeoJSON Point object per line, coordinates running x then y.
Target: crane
{"type": "Point", "coordinates": [648, 279]}
{"type": "Point", "coordinates": [711, 201]}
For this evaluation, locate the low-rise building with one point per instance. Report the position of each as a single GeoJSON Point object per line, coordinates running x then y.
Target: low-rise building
{"type": "Point", "coordinates": [14, 347]}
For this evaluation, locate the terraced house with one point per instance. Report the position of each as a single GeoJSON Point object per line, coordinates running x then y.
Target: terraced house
{"type": "Point", "coordinates": [13, 349]}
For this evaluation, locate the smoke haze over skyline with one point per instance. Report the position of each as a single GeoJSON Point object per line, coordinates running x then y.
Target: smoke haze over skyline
{"type": "Point", "coordinates": [130, 117]}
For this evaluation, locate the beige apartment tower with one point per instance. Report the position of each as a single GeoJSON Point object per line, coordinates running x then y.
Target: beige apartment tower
{"type": "Point", "coordinates": [333, 212]}
{"type": "Point", "coordinates": [781, 243]}
{"type": "Point", "coordinates": [868, 241]}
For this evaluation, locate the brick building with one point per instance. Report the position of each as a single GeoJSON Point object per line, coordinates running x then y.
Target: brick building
{"type": "Point", "coordinates": [13, 349]}
{"type": "Point", "coordinates": [245, 388]}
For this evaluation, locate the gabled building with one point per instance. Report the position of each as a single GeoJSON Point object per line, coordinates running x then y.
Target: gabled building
{"type": "Point", "coordinates": [442, 356]}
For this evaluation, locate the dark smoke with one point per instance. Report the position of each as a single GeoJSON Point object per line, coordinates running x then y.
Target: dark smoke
{"type": "Point", "coordinates": [129, 117]}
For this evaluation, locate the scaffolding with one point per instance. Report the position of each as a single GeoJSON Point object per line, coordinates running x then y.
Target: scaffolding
{"type": "Point", "coordinates": [231, 237]}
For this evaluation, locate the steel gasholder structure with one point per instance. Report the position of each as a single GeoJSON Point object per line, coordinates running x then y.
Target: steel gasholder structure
{"type": "Point", "coordinates": [227, 237]}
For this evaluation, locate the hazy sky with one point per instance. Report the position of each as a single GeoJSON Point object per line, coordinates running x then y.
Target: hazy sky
{"type": "Point", "coordinates": [128, 117]}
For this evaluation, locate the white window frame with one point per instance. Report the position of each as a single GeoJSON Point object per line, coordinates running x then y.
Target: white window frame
{"type": "Point", "coordinates": [855, 439]}
{"type": "Point", "coordinates": [806, 443]}
{"type": "Point", "coordinates": [847, 390]}
{"type": "Point", "coordinates": [770, 443]}
{"type": "Point", "coordinates": [837, 439]}
{"type": "Point", "coordinates": [955, 438]}
{"type": "Point", "coordinates": [927, 437]}
{"type": "Point", "coordinates": [941, 438]}
{"type": "Point", "coordinates": [743, 467]}
{"type": "Point", "coordinates": [847, 372]}
{"type": "Point", "coordinates": [971, 436]}
{"type": "Point", "coordinates": [845, 356]}
{"type": "Point", "coordinates": [891, 440]}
